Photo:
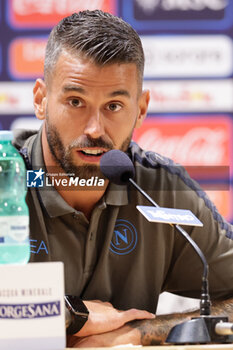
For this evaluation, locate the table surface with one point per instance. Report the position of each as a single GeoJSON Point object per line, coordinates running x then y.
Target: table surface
{"type": "Point", "coordinates": [170, 347]}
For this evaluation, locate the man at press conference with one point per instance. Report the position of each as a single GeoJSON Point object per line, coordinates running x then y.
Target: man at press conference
{"type": "Point", "coordinates": [116, 262]}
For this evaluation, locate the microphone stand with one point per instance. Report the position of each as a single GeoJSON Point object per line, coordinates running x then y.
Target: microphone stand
{"type": "Point", "coordinates": [205, 328]}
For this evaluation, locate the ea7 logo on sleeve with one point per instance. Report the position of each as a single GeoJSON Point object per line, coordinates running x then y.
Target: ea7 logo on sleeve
{"type": "Point", "coordinates": [124, 238]}
{"type": "Point", "coordinates": [35, 178]}
{"type": "Point", "coordinates": [14, 311]}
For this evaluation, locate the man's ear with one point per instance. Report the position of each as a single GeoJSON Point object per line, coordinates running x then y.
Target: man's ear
{"type": "Point", "coordinates": [39, 99]}
{"type": "Point", "coordinates": [143, 103]}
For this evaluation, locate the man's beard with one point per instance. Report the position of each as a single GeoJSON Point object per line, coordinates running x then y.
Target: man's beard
{"type": "Point", "coordinates": [63, 155]}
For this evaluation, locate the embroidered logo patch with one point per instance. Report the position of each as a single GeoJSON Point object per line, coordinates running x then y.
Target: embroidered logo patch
{"type": "Point", "coordinates": [124, 238]}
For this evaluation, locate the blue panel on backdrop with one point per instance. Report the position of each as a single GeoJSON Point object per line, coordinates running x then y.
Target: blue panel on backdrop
{"type": "Point", "coordinates": [0, 59]}
{"type": "Point", "coordinates": [182, 15]}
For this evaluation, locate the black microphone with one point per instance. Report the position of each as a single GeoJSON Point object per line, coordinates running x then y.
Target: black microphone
{"type": "Point", "coordinates": [119, 169]}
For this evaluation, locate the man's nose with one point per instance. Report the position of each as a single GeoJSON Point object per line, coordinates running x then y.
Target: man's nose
{"type": "Point", "coordinates": [94, 127]}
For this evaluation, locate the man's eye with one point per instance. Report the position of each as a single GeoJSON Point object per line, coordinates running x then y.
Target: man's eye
{"type": "Point", "coordinates": [75, 102]}
{"type": "Point", "coordinates": [114, 107]}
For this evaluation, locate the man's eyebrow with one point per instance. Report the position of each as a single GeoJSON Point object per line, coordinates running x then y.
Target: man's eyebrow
{"type": "Point", "coordinates": [70, 88]}
{"type": "Point", "coordinates": [119, 92]}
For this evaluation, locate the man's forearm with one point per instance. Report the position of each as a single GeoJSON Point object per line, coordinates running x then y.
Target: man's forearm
{"type": "Point", "coordinates": [224, 307]}
{"type": "Point", "coordinates": [154, 332]}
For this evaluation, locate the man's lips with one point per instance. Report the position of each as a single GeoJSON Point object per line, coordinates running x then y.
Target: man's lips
{"type": "Point", "coordinates": [91, 154]}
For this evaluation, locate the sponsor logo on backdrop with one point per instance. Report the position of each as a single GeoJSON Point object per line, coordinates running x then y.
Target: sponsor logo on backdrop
{"type": "Point", "coordinates": [16, 97]}
{"type": "Point", "coordinates": [190, 96]}
{"type": "Point", "coordinates": [47, 13]}
{"type": "Point", "coordinates": [0, 59]}
{"type": "Point", "coordinates": [188, 56]}
{"type": "Point", "coordinates": [26, 123]}
{"type": "Point", "coordinates": [26, 57]}
{"type": "Point", "coordinates": [178, 14]}
{"type": "Point", "coordinates": [185, 5]}
{"type": "Point", "coordinates": [197, 142]}
{"type": "Point", "coordinates": [188, 140]}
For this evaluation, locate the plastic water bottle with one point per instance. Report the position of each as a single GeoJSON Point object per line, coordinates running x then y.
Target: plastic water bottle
{"type": "Point", "coordinates": [14, 214]}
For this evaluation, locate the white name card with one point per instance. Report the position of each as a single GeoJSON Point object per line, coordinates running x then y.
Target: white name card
{"type": "Point", "coordinates": [32, 315]}
{"type": "Point", "coordinates": [169, 215]}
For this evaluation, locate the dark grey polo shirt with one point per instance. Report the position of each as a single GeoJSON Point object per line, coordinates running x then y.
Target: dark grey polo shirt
{"type": "Point", "coordinates": [119, 256]}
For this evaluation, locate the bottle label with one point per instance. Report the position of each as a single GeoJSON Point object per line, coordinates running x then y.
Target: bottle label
{"type": "Point", "coordinates": [14, 229]}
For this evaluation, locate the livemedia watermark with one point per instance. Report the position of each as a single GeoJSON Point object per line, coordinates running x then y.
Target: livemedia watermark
{"type": "Point", "coordinates": [176, 178]}
{"type": "Point", "coordinates": [47, 180]}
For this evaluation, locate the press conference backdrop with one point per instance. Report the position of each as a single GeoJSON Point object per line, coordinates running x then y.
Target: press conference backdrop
{"type": "Point", "coordinates": [189, 69]}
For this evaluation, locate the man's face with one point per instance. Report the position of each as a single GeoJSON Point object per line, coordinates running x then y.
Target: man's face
{"type": "Point", "coordinates": [89, 110]}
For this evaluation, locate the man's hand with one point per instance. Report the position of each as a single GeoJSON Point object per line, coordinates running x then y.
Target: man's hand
{"type": "Point", "coordinates": [103, 317]}
{"type": "Point", "coordinates": [137, 332]}
{"type": "Point", "coordinates": [123, 335]}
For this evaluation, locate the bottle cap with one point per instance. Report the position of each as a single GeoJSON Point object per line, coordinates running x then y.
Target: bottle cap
{"type": "Point", "coordinates": [6, 135]}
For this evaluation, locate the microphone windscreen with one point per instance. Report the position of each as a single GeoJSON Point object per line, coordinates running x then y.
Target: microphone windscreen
{"type": "Point", "coordinates": [117, 167]}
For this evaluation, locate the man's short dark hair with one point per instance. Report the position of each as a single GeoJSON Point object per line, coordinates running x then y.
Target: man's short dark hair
{"type": "Point", "coordinates": [100, 36]}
